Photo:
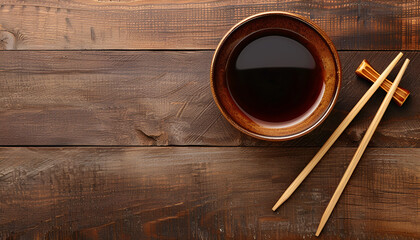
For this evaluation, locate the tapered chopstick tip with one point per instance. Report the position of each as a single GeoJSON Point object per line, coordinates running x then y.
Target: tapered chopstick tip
{"type": "Point", "coordinates": [282, 199]}
{"type": "Point", "coordinates": [318, 231]}
{"type": "Point", "coordinates": [277, 205]}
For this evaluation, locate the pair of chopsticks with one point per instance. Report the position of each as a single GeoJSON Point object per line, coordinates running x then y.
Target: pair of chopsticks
{"type": "Point", "coordinates": [363, 144]}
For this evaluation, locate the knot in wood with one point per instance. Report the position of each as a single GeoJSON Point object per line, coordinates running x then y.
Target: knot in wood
{"type": "Point", "coordinates": [7, 40]}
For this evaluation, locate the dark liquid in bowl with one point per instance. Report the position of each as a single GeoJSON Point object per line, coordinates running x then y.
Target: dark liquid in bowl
{"type": "Point", "coordinates": [274, 77]}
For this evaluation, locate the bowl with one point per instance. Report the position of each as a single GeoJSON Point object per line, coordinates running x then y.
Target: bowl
{"type": "Point", "coordinates": [304, 32]}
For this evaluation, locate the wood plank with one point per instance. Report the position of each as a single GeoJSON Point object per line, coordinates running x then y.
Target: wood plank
{"type": "Point", "coordinates": [186, 24]}
{"type": "Point", "coordinates": [204, 193]}
{"type": "Point", "coordinates": [164, 98]}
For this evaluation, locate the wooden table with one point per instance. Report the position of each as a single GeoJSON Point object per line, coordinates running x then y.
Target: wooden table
{"type": "Point", "coordinates": [108, 129]}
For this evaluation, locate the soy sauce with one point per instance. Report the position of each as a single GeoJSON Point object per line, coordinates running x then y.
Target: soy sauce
{"type": "Point", "coordinates": [274, 77]}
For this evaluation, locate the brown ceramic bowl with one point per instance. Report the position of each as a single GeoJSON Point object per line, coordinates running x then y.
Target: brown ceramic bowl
{"type": "Point", "coordinates": [320, 45]}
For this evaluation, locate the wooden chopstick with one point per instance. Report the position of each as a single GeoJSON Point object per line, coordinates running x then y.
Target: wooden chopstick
{"type": "Point", "coordinates": [356, 109]}
{"type": "Point", "coordinates": [361, 149]}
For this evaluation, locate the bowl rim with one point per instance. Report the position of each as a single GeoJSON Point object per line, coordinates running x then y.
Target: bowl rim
{"type": "Point", "coordinates": [324, 37]}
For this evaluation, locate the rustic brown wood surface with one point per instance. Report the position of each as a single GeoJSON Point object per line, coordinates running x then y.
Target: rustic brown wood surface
{"type": "Point", "coordinates": [204, 193]}
{"type": "Point", "coordinates": [186, 24]}
{"type": "Point", "coordinates": [122, 144]}
{"type": "Point", "coordinates": [163, 98]}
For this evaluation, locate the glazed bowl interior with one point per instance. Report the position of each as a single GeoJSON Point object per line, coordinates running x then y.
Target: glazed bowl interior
{"type": "Point", "coordinates": [284, 24]}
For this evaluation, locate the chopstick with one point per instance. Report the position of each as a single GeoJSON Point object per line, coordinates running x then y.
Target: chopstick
{"type": "Point", "coordinates": [356, 109]}
{"type": "Point", "coordinates": [361, 149]}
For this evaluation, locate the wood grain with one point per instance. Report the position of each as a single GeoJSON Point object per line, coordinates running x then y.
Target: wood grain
{"type": "Point", "coordinates": [204, 193]}
{"type": "Point", "coordinates": [163, 98]}
{"type": "Point", "coordinates": [186, 24]}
